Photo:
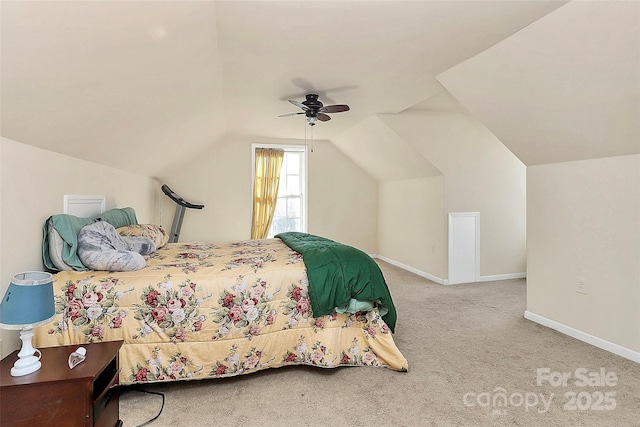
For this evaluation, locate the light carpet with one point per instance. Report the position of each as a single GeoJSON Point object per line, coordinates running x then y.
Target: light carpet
{"type": "Point", "coordinates": [473, 361]}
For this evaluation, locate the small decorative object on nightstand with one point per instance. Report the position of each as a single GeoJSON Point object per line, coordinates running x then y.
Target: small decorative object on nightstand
{"type": "Point", "coordinates": [56, 395]}
{"type": "Point", "coordinates": [27, 303]}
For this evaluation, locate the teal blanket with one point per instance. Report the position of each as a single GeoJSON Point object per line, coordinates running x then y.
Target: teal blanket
{"type": "Point", "coordinates": [340, 276]}
{"type": "Point", "coordinates": [68, 227]}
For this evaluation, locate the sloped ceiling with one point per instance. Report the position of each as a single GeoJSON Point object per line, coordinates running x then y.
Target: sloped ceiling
{"type": "Point", "coordinates": [135, 85]}
{"type": "Point", "coordinates": [371, 141]}
{"type": "Point", "coordinates": [565, 88]}
{"type": "Point", "coordinates": [145, 85]}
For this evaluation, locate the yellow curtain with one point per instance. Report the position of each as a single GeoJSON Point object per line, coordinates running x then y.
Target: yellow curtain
{"type": "Point", "coordinates": [265, 190]}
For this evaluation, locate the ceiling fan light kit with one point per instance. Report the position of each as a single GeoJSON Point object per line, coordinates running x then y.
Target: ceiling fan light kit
{"type": "Point", "coordinates": [314, 110]}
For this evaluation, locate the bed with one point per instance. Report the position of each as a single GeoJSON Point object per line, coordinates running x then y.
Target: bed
{"type": "Point", "coordinates": [208, 310]}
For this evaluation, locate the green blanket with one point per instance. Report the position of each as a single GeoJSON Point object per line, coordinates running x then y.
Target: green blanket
{"type": "Point", "coordinates": [340, 276]}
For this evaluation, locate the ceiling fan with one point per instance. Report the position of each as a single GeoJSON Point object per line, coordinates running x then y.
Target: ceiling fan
{"type": "Point", "coordinates": [314, 110]}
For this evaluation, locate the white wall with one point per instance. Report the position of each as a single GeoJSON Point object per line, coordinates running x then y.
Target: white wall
{"type": "Point", "coordinates": [411, 228]}
{"type": "Point", "coordinates": [480, 175]}
{"type": "Point", "coordinates": [33, 182]}
{"type": "Point", "coordinates": [220, 179]}
{"type": "Point", "coordinates": [584, 221]}
{"type": "Point", "coordinates": [342, 197]}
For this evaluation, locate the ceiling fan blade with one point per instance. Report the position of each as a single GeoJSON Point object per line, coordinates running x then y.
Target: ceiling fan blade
{"type": "Point", "coordinates": [291, 114]}
{"type": "Point", "coordinates": [299, 104]}
{"type": "Point", "coordinates": [323, 117]}
{"type": "Point", "coordinates": [334, 108]}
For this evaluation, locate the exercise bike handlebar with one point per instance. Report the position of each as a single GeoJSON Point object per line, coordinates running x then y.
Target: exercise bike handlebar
{"type": "Point", "coordinates": [179, 200]}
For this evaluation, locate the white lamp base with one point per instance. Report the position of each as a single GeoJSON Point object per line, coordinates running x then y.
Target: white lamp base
{"type": "Point", "coordinates": [27, 361]}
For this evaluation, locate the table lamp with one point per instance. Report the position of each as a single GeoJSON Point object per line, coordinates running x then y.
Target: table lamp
{"type": "Point", "coordinates": [28, 303]}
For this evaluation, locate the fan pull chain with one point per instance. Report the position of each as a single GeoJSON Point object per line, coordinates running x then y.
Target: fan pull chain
{"type": "Point", "coordinates": [306, 142]}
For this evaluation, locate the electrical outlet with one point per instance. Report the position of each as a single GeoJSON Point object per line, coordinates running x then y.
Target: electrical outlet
{"type": "Point", "coordinates": [433, 249]}
{"type": "Point", "coordinates": [582, 286]}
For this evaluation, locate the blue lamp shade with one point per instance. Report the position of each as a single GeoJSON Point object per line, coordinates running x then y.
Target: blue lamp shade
{"type": "Point", "coordinates": [28, 301]}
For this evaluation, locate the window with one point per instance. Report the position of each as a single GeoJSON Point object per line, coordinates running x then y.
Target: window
{"type": "Point", "coordinates": [291, 206]}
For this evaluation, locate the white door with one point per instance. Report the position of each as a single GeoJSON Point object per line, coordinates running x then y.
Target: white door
{"type": "Point", "coordinates": [464, 247]}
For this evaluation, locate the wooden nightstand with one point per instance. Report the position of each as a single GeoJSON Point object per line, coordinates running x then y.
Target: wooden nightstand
{"type": "Point", "coordinates": [58, 396]}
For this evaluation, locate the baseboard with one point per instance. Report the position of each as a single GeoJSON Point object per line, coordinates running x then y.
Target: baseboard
{"type": "Point", "coordinates": [625, 352]}
{"type": "Point", "coordinates": [413, 270]}
{"type": "Point", "coordinates": [442, 281]}
{"type": "Point", "coordinates": [507, 276]}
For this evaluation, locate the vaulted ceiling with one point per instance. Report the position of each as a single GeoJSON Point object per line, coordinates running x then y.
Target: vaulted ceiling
{"type": "Point", "coordinates": [565, 88]}
{"type": "Point", "coordinates": [144, 85]}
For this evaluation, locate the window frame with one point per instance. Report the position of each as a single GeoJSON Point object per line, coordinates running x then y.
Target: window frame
{"type": "Point", "coordinates": [305, 174]}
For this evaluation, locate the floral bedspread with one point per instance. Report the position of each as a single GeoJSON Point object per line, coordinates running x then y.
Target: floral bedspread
{"type": "Point", "coordinates": [204, 310]}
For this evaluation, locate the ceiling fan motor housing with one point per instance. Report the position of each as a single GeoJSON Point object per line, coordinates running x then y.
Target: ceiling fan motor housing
{"type": "Point", "coordinates": [313, 104]}
{"type": "Point", "coordinates": [314, 108]}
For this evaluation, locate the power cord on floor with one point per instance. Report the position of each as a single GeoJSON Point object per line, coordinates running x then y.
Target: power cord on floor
{"type": "Point", "coordinates": [161, 407]}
